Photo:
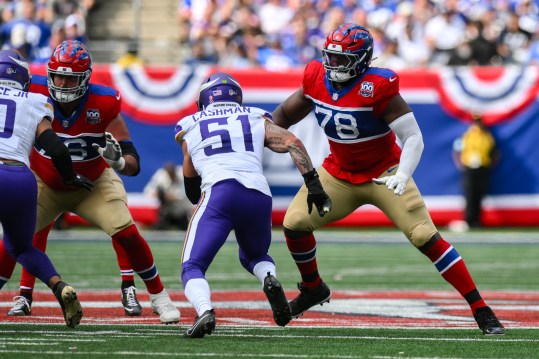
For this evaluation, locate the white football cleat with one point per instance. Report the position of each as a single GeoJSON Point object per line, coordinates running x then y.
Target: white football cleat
{"type": "Point", "coordinates": [162, 305]}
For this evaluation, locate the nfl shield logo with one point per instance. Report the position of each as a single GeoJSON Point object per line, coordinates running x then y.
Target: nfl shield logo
{"type": "Point", "coordinates": [367, 89]}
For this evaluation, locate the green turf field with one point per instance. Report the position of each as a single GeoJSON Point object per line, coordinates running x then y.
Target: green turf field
{"type": "Point", "coordinates": [360, 260]}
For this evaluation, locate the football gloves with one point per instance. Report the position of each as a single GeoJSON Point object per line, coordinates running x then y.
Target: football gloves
{"type": "Point", "coordinates": [80, 181]}
{"type": "Point", "coordinates": [316, 194]}
{"type": "Point", "coordinates": [396, 182]}
{"type": "Point", "coordinates": [112, 153]}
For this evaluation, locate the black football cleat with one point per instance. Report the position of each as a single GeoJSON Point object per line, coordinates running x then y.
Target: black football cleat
{"type": "Point", "coordinates": [205, 324]}
{"type": "Point", "coordinates": [130, 302]}
{"type": "Point", "coordinates": [277, 300]}
{"type": "Point", "coordinates": [308, 298]}
{"type": "Point", "coordinates": [488, 322]}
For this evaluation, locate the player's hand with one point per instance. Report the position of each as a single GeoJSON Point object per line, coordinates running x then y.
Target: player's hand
{"type": "Point", "coordinates": [112, 153]}
{"type": "Point", "coordinates": [316, 194]}
{"type": "Point", "coordinates": [321, 201]}
{"type": "Point", "coordinates": [80, 181]}
{"type": "Point", "coordinates": [396, 182]}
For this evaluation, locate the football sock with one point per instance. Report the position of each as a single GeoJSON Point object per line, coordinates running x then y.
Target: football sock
{"type": "Point", "coordinates": [303, 251]}
{"type": "Point", "coordinates": [261, 270]}
{"type": "Point", "coordinates": [453, 269]}
{"type": "Point", "coordinates": [126, 271]}
{"type": "Point", "coordinates": [54, 287]}
{"type": "Point", "coordinates": [141, 258]}
{"type": "Point", "coordinates": [197, 292]}
{"type": "Point", "coordinates": [26, 293]}
{"type": "Point", "coordinates": [128, 283]}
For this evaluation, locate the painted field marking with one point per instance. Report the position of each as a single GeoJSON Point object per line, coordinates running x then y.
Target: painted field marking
{"type": "Point", "coordinates": [360, 309]}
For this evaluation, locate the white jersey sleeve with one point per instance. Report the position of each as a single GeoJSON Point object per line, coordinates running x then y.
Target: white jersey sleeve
{"type": "Point", "coordinates": [227, 142]}
{"type": "Point", "coordinates": [20, 114]}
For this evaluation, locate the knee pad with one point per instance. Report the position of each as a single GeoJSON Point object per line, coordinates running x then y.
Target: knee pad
{"type": "Point", "coordinates": [298, 219]}
{"type": "Point", "coordinates": [421, 234]}
{"type": "Point", "coordinates": [121, 220]}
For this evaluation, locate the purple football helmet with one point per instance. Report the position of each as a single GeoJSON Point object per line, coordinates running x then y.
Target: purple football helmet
{"type": "Point", "coordinates": [219, 87]}
{"type": "Point", "coordinates": [14, 70]}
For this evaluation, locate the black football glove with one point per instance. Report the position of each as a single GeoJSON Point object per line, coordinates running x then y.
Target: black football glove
{"type": "Point", "coordinates": [80, 181]}
{"type": "Point", "coordinates": [316, 194]}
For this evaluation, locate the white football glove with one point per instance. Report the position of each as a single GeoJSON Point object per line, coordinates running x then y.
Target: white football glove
{"type": "Point", "coordinates": [112, 153]}
{"type": "Point", "coordinates": [396, 182]}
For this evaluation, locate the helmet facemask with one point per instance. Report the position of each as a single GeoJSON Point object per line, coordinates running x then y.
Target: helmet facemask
{"type": "Point", "coordinates": [70, 58]}
{"type": "Point", "coordinates": [341, 67]}
{"type": "Point", "coordinates": [68, 94]}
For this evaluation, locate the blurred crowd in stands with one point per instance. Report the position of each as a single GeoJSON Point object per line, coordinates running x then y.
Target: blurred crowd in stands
{"type": "Point", "coordinates": [35, 27]}
{"type": "Point", "coordinates": [278, 34]}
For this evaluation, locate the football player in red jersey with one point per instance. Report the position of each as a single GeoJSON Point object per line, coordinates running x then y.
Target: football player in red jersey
{"type": "Point", "coordinates": [361, 111]}
{"type": "Point", "coordinates": [87, 118]}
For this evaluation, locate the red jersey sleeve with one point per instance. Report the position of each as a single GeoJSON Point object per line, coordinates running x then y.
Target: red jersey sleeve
{"type": "Point", "coordinates": [386, 89]}
{"type": "Point", "coordinates": [112, 106]}
{"type": "Point", "coordinates": [312, 70]}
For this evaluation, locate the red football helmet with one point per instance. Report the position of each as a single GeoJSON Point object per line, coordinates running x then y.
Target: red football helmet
{"type": "Point", "coordinates": [69, 59]}
{"type": "Point", "coordinates": [347, 52]}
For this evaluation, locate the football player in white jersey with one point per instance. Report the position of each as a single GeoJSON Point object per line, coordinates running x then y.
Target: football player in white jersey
{"type": "Point", "coordinates": [222, 146]}
{"type": "Point", "coordinates": [26, 118]}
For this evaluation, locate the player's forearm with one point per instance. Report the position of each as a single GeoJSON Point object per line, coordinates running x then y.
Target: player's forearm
{"type": "Point", "coordinates": [131, 167]}
{"type": "Point", "coordinates": [280, 140]}
{"type": "Point", "coordinates": [59, 153]}
{"type": "Point", "coordinates": [411, 155]}
{"type": "Point", "coordinates": [407, 130]}
{"type": "Point", "coordinates": [300, 157]}
{"type": "Point", "coordinates": [131, 157]}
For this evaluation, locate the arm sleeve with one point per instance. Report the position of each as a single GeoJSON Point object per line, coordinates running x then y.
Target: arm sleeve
{"type": "Point", "coordinates": [59, 153]}
{"type": "Point", "coordinates": [192, 188]}
{"type": "Point", "coordinates": [407, 130]}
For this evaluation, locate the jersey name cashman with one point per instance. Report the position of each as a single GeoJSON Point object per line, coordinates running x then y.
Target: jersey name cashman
{"type": "Point", "coordinates": [221, 112]}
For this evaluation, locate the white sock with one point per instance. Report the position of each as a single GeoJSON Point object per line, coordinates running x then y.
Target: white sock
{"type": "Point", "coordinates": [198, 293]}
{"type": "Point", "coordinates": [261, 270]}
